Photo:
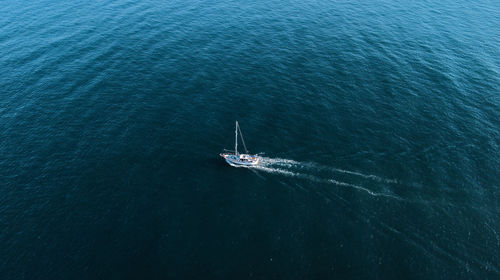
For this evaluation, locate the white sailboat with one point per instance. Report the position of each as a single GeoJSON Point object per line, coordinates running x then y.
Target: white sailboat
{"type": "Point", "coordinates": [237, 159]}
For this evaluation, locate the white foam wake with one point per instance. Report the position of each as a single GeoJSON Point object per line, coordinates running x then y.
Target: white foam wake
{"type": "Point", "coordinates": [292, 168]}
{"type": "Point", "coordinates": [266, 161]}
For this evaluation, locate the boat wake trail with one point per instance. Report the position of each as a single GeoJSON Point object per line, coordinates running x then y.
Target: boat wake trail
{"type": "Point", "coordinates": [311, 171]}
{"type": "Point", "coordinates": [311, 165]}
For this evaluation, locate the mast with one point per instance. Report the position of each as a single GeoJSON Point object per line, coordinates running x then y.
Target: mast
{"type": "Point", "coordinates": [236, 139]}
{"type": "Point", "coordinates": [242, 140]}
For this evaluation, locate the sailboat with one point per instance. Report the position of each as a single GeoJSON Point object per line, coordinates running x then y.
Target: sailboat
{"type": "Point", "coordinates": [236, 159]}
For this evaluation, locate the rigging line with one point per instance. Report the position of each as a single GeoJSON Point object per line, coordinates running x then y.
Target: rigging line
{"type": "Point", "coordinates": [242, 140]}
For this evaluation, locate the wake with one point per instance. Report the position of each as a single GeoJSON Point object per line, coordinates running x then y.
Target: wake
{"type": "Point", "coordinates": [265, 161]}
{"type": "Point", "coordinates": [306, 171]}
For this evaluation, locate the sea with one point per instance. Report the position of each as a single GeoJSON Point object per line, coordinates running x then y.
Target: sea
{"type": "Point", "coordinates": [377, 124]}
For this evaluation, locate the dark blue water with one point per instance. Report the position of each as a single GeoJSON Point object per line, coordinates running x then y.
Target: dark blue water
{"type": "Point", "coordinates": [378, 123]}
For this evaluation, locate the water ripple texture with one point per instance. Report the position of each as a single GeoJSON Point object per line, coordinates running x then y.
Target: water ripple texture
{"type": "Point", "coordinates": [378, 124]}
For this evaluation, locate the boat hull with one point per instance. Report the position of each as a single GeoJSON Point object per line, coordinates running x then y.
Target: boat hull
{"type": "Point", "coordinates": [241, 159]}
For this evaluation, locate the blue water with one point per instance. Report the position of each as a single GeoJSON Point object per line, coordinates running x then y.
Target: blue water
{"type": "Point", "coordinates": [378, 123]}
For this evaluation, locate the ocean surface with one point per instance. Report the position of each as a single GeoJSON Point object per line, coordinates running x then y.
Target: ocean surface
{"type": "Point", "coordinates": [378, 123]}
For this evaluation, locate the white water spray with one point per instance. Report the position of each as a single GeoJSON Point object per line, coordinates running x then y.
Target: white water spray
{"type": "Point", "coordinates": [303, 170]}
